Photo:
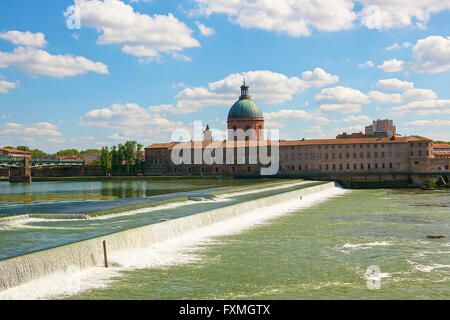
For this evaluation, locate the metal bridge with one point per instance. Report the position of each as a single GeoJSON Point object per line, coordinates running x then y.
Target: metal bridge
{"type": "Point", "coordinates": [20, 162]}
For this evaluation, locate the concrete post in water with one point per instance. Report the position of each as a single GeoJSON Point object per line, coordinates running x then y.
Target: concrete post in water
{"type": "Point", "coordinates": [105, 255]}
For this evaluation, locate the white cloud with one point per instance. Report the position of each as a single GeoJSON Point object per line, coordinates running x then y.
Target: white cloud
{"type": "Point", "coordinates": [381, 97]}
{"type": "Point", "coordinates": [313, 129]}
{"type": "Point", "coordinates": [394, 46]}
{"type": "Point", "coordinates": [392, 65]}
{"type": "Point", "coordinates": [431, 54]}
{"type": "Point", "coordinates": [39, 62]}
{"type": "Point", "coordinates": [265, 87]}
{"type": "Point", "coordinates": [429, 123]}
{"type": "Point", "coordinates": [293, 114]}
{"type": "Point", "coordinates": [419, 94]}
{"type": "Point", "coordinates": [25, 38]}
{"type": "Point", "coordinates": [339, 95]}
{"type": "Point", "coordinates": [299, 18]}
{"type": "Point", "coordinates": [296, 18]}
{"type": "Point", "coordinates": [394, 84]}
{"type": "Point", "coordinates": [425, 107]}
{"type": "Point", "coordinates": [204, 30]}
{"type": "Point", "coordinates": [141, 35]}
{"type": "Point", "coordinates": [133, 120]}
{"type": "Point", "coordinates": [356, 119]}
{"type": "Point", "coordinates": [382, 14]}
{"type": "Point", "coordinates": [367, 64]}
{"type": "Point", "coordinates": [39, 129]}
{"type": "Point", "coordinates": [5, 86]}
{"type": "Point", "coordinates": [341, 108]}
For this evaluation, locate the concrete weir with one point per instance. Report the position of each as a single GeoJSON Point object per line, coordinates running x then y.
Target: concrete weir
{"type": "Point", "coordinates": [90, 253]}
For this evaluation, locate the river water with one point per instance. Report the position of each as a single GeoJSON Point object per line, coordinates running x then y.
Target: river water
{"type": "Point", "coordinates": [321, 250]}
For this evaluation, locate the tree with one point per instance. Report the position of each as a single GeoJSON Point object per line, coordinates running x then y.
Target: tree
{"type": "Point", "coordinates": [8, 147]}
{"type": "Point", "coordinates": [138, 159]}
{"type": "Point", "coordinates": [36, 153]}
{"type": "Point", "coordinates": [23, 148]}
{"type": "Point", "coordinates": [90, 151]}
{"type": "Point", "coordinates": [68, 152]}
{"type": "Point", "coordinates": [106, 160]}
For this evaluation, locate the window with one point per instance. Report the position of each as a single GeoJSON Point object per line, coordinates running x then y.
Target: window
{"type": "Point", "coordinates": [368, 166]}
{"type": "Point", "coordinates": [299, 168]}
{"type": "Point", "coordinates": [354, 166]}
{"type": "Point", "coordinates": [326, 167]}
{"type": "Point", "coordinates": [382, 155]}
{"type": "Point", "coordinates": [249, 169]}
{"type": "Point", "coordinates": [203, 170]}
{"type": "Point", "coordinates": [382, 166]}
{"type": "Point", "coordinates": [348, 166]}
{"type": "Point", "coordinates": [397, 155]}
{"type": "Point", "coordinates": [232, 169]}
{"type": "Point", "coordinates": [390, 165]}
{"type": "Point", "coordinates": [446, 167]}
{"type": "Point", "coordinates": [326, 155]}
{"type": "Point", "coordinates": [412, 153]}
{"type": "Point", "coordinates": [362, 166]}
{"type": "Point", "coordinates": [376, 165]}
{"type": "Point", "coordinates": [390, 154]}
{"type": "Point", "coordinates": [334, 166]}
{"type": "Point", "coordinates": [361, 155]}
{"type": "Point", "coordinates": [354, 155]}
{"type": "Point", "coordinates": [340, 155]}
{"type": "Point", "coordinates": [320, 167]}
{"type": "Point", "coordinates": [347, 155]}
{"type": "Point", "coordinates": [368, 155]}
{"type": "Point", "coordinates": [340, 166]}
{"type": "Point", "coordinates": [333, 156]}
{"type": "Point", "coordinates": [420, 153]}
{"type": "Point", "coordinates": [217, 170]}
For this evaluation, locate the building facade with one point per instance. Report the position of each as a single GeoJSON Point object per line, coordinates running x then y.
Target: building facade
{"type": "Point", "coordinates": [360, 157]}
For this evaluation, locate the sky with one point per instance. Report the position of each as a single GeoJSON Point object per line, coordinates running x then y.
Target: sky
{"type": "Point", "coordinates": [89, 73]}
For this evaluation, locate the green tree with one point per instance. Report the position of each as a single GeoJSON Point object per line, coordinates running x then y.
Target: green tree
{"type": "Point", "coordinates": [8, 147]}
{"type": "Point", "coordinates": [138, 159]}
{"type": "Point", "coordinates": [106, 160]}
{"type": "Point", "coordinates": [68, 152]}
{"type": "Point", "coordinates": [36, 153]}
{"type": "Point", "coordinates": [23, 148]}
{"type": "Point", "coordinates": [90, 151]}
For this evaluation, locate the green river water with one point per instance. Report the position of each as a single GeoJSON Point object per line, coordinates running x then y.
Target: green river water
{"type": "Point", "coordinates": [320, 252]}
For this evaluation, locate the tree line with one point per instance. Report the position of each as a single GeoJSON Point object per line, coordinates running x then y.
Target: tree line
{"type": "Point", "coordinates": [122, 159]}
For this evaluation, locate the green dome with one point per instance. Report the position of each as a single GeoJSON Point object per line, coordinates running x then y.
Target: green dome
{"type": "Point", "coordinates": [244, 108]}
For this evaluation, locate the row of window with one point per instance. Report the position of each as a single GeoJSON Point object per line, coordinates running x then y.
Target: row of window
{"type": "Point", "coordinates": [347, 155]}
{"type": "Point", "coordinates": [333, 167]}
{"type": "Point", "coordinates": [156, 161]}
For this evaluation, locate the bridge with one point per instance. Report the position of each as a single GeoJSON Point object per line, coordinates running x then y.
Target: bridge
{"type": "Point", "coordinates": [21, 167]}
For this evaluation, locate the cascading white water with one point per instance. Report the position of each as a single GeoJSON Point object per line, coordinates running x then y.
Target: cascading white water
{"type": "Point", "coordinates": [142, 247]}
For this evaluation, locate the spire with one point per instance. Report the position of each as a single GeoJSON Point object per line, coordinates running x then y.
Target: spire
{"type": "Point", "coordinates": [244, 91]}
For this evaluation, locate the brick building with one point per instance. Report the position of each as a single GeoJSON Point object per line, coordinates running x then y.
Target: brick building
{"type": "Point", "coordinates": [377, 158]}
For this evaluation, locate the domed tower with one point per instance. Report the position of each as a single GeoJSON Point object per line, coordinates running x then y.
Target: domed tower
{"type": "Point", "coordinates": [245, 114]}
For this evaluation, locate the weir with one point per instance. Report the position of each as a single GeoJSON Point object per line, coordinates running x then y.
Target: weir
{"type": "Point", "coordinates": [90, 253]}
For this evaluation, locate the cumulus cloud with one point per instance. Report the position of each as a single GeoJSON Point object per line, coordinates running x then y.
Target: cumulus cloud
{"type": "Point", "coordinates": [382, 14]}
{"type": "Point", "coordinates": [39, 129]}
{"type": "Point", "coordinates": [425, 107]}
{"type": "Point", "coordinates": [367, 64]}
{"type": "Point", "coordinates": [40, 62]}
{"type": "Point", "coordinates": [5, 86]}
{"type": "Point", "coordinates": [340, 94]}
{"type": "Point", "coordinates": [204, 30]}
{"type": "Point", "coordinates": [394, 84]}
{"type": "Point", "coordinates": [25, 38]}
{"type": "Point", "coordinates": [300, 18]}
{"type": "Point", "coordinates": [265, 87]}
{"type": "Point", "coordinates": [341, 108]}
{"type": "Point", "coordinates": [288, 114]}
{"type": "Point", "coordinates": [381, 97]}
{"type": "Point", "coordinates": [419, 94]}
{"type": "Point", "coordinates": [291, 17]}
{"type": "Point", "coordinates": [431, 54]}
{"type": "Point", "coordinates": [429, 123]}
{"type": "Point", "coordinates": [392, 65]}
{"type": "Point", "coordinates": [139, 34]}
{"type": "Point", "coordinates": [132, 119]}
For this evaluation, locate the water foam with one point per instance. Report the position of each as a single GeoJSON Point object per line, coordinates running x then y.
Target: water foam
{"type": "Point", "coordinates": [180, 249]}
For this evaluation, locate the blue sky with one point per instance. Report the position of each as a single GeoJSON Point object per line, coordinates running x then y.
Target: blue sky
{"type": "Point", "coordinates": [141, 69]}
